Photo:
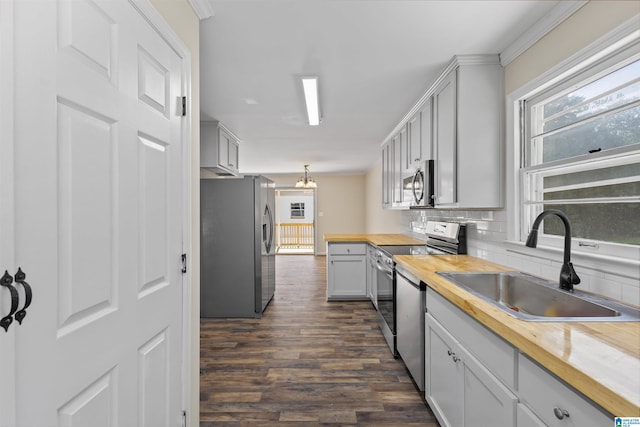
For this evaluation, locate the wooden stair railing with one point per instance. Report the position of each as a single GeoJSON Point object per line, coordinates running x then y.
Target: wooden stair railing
{"type": "Point", "coordinates": [294, 235]}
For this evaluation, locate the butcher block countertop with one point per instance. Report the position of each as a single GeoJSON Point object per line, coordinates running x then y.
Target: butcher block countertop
{"type": "Point", "coordinates": [374, 239]}
{"type": "Point", "coordinates": [600, 359]}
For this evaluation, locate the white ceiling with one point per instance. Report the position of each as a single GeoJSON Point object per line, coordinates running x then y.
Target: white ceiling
{"type": "Point", "coordinates": [374, 59]}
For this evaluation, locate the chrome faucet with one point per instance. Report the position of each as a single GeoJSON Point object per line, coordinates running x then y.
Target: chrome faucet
{"type": "Point", "coordinates": [568, 276]}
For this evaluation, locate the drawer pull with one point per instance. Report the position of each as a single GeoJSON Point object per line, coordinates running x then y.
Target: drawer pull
{"type": "Point", "coordinates": [560, 413]}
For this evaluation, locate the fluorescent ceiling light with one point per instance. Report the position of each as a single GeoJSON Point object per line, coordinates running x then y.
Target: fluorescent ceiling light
{"type": "Point", "coordinates": [310, 86]}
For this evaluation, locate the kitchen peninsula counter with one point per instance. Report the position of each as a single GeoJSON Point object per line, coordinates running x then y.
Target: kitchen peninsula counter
{"type": "Point", "coordinates": [374, 239]}
{"type": "Point", "coordinates": [600, 359]}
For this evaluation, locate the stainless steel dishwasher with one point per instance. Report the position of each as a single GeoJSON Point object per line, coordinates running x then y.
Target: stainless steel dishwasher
{"type": "Point", "coordinates": [410, 309]}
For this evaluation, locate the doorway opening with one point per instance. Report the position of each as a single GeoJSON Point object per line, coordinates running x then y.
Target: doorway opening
{"type": "Point", "coordinates": [295, 221]}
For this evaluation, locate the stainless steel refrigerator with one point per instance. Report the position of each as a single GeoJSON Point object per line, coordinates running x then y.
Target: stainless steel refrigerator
{"type": "Point", "coordinates": [237, 248]}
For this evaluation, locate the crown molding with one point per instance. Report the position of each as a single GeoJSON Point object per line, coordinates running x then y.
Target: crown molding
{"type": "Point", "coordinates": [202, 8]}
{"type": "Point", "coordinates": [552, 19]}
{"type": "Point", "coordinates": [456, 61]}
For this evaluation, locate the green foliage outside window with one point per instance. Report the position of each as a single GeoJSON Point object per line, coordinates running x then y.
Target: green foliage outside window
{"type": "Point", "coordinates": [574, 132]}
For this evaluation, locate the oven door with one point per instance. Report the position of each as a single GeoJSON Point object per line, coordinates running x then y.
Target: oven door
{"type": "Point", "coordinates": [386, 295]}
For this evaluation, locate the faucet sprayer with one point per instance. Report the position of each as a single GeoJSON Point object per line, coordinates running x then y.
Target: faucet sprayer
{"type": "Point", "coordinates": [568, 276]}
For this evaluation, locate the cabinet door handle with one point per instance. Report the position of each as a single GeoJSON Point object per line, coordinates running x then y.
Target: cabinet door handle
{"type": "Point", "coordinates": [560, 413]}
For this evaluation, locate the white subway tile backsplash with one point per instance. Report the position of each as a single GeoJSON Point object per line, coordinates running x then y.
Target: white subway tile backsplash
{"type": "Point", "coordinates": [605, 287]}
{"type": "Point", "coordinates": [514, 263]}
{"type": "Point", "coordinates": [498, 258]}
{"type": "Point", "coordinates": [630, 281]}
{"type": "Point", "coordinates": [531, 267]}
{"type": "Point", "coordinates": [585, 283]}
{"type": "Point", "coordinates": [586, 271]}
{"type": "Point", "coordinates": [548, 272]}
{"type": "Point", "coordinates": [631, 294]}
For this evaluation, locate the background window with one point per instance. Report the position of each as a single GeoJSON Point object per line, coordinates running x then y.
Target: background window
{"type": "Point", "coordinates": [297, 210]}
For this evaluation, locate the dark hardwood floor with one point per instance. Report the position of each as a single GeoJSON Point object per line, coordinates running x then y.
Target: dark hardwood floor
{"type": "Point", "coordinates": [307, 362]}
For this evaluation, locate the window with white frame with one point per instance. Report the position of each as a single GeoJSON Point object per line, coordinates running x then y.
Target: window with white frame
{"type": "Point", "coordinates": [297, 210]}
{"type": "Point", "coordinates": [581, 155]}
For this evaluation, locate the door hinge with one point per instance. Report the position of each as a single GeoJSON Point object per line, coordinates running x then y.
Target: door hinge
{"type": "Point", "coordinates": [184, 106]}
{"type": "Point", "coordinates": [184, 263]}
{"type": "Point", "coordinates": [184, 419]}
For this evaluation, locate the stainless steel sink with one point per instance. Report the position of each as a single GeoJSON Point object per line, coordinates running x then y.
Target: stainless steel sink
{"type": "Point", "coordinates": [531, 298]}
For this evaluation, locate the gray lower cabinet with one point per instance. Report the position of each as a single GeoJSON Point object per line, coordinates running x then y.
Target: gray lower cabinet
{"type": "Point", "coordinates": [554, 403]}
{"type": "Point", "coordinates": [346, 271]}
{"type": "Point", "coordinates": [459, 390]}
{"type": "Point", "coordinates": [526, 418]}
{"type": "Point", "coordinates": [372, 276]}
{"type": "Point", "coordinates": [475, 378]}
{"type": "Point", "coordinates": [443, 388]}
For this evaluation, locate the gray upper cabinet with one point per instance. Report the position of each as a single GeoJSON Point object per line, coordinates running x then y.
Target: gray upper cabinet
{"type": "Point", "coordinates": [426, 131]}
{"type": "Point", "coordinates": [468, 143]}
{"type": "Point", "coordinates": [218, 148]}
{"type": "Point", "coordinates": [419, 129]}
{"type": "Point", "coordinates": [395, 163]}
{"type": "Point", "coordinates": [386, 175]}
{"type": "Point", "coordinates": [414, 147]}
{"type": "Point", "coordinates": [396, 170]}
{"type": "Point", "coordinates": [444, 147]}
{"type": "Point", "coordinates": [458, 123]}
{"type": "Point", "coordinates": [405, 144]}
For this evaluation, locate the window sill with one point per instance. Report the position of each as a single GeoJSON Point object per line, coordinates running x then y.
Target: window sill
{"type": "Point", "coordinates": [618, 266]}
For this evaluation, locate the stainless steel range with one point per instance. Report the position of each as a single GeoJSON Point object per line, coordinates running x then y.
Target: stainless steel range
{"type": "Point", "coordinates": [442, 238]}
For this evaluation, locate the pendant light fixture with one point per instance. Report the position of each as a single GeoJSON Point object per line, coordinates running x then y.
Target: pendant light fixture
{"type": "Point", "coordinates": [306, 181]}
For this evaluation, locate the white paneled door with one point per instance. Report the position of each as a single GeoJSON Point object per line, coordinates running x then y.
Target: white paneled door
{"type": "Point", "coordinates": [97, 217]}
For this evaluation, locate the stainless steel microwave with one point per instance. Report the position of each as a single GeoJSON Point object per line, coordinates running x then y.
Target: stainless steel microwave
{"type": "Point", "coordinates": [418, 188]}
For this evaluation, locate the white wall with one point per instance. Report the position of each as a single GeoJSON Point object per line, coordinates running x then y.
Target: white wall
{"type": "Point", "coordinates": [284, 200]}
{"type": "Point", "coordinates": [340, 204]}
{"type": "Point", "coordinates": [377, 219]}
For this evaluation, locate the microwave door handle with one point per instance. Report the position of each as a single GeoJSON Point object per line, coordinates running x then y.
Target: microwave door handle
{"type": "Point", "coordinates": [413, 185]}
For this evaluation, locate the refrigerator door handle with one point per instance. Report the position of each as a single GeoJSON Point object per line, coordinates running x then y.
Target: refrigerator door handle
{"type": "Point", "coordinates": [269, 238]}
